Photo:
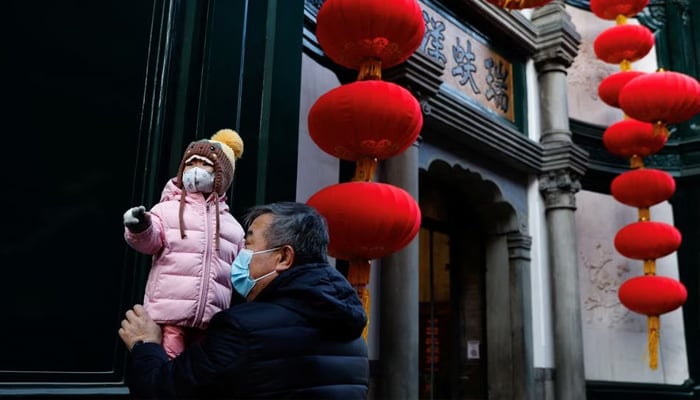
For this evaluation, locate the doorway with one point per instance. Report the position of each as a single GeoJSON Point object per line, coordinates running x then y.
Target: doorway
{"type": "Point", "coordinates": [452, 321]}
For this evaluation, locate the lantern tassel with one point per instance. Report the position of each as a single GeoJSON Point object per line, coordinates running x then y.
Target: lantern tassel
{"type": "Point", "coordinates": [644, 214]}
{"type": "Point", "coordinates": [625, 65]}
{"type": "Point", "coordinates": [653, 341]}
{"type": "Point", "coordinates": [660, 128]}
{"type": "Point", "coordinates": [364, 169]}
{"type": "Point", "coordinates": [358, 276]}
{"type": "Point", "coordinates": [371, 69]}
{"type": "Point", "coordinates": [636, 162]}
{"type": "Point", "coordinates": [514, 4]}
{"type": "Point", "coordinates": [649, 267]}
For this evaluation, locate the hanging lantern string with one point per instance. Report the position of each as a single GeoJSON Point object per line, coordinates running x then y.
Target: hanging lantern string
{"type": "Point", "coordinates": [358, 276]}
{"type": "Point", "coordinates": [371, 69]}
{"type": "Point", "coordinates": [653, 326]}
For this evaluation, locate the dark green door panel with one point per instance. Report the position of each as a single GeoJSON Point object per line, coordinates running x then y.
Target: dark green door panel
{"type": "Point", "coordinates": [73, 76]}
{"type": "Point", "coordinates": [100, 98]}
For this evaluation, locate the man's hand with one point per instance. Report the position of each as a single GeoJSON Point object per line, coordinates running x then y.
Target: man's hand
{"type": "Point", "coordinates": [138, 325]}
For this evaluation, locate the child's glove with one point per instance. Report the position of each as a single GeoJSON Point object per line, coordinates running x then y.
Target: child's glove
{"type": "Point", "coordinates": [136, 219]}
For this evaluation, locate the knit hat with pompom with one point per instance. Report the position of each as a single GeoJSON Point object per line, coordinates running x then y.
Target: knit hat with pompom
{"type": "Point", "coordinates": [220, 151]}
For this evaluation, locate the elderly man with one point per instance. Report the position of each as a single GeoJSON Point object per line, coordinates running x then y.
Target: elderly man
{"type": "Point", "coordinates": [298, 335]}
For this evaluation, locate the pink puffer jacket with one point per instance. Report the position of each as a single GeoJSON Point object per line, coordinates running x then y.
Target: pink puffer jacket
{"type": "Point", "coordinates": [190, 280]}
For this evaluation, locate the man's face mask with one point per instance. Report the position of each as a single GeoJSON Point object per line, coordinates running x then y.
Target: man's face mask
{"type": "Point", "coordinates": [240, 271]}
{"type": "Point", "coordinates": [198, 180]}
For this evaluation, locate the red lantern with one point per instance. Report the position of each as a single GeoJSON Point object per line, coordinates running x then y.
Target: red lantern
{"type": "Point", "coordinates": [609, 88]}
{"type": "Point", "coordinates": [630, 138]}
{"type": "Point", "coordinates": [647, 240]}
{"type": "Point", "coordinates": [353, 32]}
{"type": "Point", "coordinates": [367, 220]}
{"type": "Point", "coordinates": [375, 119]}
{"type": "Point", "coordinates": [518, 4]}
{"type": "Point", "coordinates": [623, 43]}
{"type": "Point", "coordinates": [643, 188]}
{"type": "Point", "coordinates": [652, 295]}
{"type": "Point", "coordinates": [662, 97]}
{"type": "Point", "coordinates": [611, 9]}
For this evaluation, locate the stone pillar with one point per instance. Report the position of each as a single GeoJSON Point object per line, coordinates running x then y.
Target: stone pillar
{"type": "Point", "coordinates": [399, 313]}
{"type": "Point", "coordinates": [521, 313]}
{"type": "Point", "coordinates": [563, 164]}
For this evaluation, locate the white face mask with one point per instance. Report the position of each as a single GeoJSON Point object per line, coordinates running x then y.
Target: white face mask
{"type": "Point", "coordinates": [198, 180]}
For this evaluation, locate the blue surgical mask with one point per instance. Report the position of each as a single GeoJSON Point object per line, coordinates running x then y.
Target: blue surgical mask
{"type": "Point", "coordinates": [240, 271]}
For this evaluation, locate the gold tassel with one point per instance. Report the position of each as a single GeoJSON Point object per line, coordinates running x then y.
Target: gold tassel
{"type": "Point", "coordinates": [517, 4]}
{"type": "Point", "coordinates": [371, 69]}
{"type": "Point", "coordinates": [644, 214]}
{"type": "Point", "coordinates": [653, 340]}
{"type": "Point", "coordinates": [660, 128]}
{"type": "Point", "coordinates": [364, 169]}
{"type": "Point", "coordinates": [620, 19]}
{"type": "Point", "coordinates": [625, 65]}
{"type": "Point", "coordinates": [649, 267]}
{"type": "Point", "coordinates": [636, 162]}
{"type": "Point", "coordinates": [358, 276]}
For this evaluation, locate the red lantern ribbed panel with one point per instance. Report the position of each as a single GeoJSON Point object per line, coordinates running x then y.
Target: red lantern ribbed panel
{"type": "Point", "coordinates": [652, 295]}
{"type": "Point", "coordinates": [365, 119]}
{"type": "Point", "coordinates": [611, 9]}
{"type": "Point", "coordinates": [643, 188]}
{"type": "Point", "coordinates": [623, 43]}
{"type": "Point", "coordinates": [352, 31]}
{"type": "Point", "coordinates": [630, 137]}
{"type": "Point", "coordinates": [367, 220]}
{"type": "Point", "coordinates": [647, 240]}
{"type": "Point", "coordinates": [669, 97]}
{"type": "Point", "coordinates": [518, 4]}
{"type": "Point", "coordinates": [609, 88]}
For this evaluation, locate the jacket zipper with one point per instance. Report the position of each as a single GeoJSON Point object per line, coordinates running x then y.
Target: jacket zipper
{"type": "Point", "coordinates": [205, 271]}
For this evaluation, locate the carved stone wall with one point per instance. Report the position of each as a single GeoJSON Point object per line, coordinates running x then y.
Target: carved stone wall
{"type": "Point", "coordinates": [614, 338]}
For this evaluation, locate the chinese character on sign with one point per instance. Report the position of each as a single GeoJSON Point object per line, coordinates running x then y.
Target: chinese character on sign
{"type": "Point", "coordinates": [497, 81]}
{"type": "Point", "coordinates": [432, 41]}
{"type": "Point", "coordinates": [465, 65]}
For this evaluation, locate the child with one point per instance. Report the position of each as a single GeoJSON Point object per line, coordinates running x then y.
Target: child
{"type": "Point", "coordinates": [193, 239]}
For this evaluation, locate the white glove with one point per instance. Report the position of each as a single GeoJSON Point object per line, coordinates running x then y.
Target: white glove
{"type": "Point", "coordinates": [136, 219]}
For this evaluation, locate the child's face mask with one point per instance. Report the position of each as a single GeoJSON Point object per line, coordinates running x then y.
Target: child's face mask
{"type": "Point", "coordinates": [198, 180]}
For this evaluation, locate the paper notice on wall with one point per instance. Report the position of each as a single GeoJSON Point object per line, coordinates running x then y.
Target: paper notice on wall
{"type": "Point", "coordinates": [473, 349]}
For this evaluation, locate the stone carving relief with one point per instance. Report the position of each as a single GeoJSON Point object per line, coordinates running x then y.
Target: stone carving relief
{"type": "Point", "coordinates": [604, 275]}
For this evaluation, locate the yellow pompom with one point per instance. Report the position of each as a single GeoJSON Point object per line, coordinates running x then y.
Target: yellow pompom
{"type": "Point", "coordinates": [230, 138]}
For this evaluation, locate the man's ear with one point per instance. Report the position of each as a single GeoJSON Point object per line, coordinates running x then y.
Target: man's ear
{"type": "Point", "coordinates": [286, 259]}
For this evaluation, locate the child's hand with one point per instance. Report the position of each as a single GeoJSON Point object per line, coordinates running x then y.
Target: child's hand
{"type": "Point", "coordinates": [136, 219]}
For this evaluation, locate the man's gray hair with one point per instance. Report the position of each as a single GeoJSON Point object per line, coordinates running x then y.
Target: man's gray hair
{"type": "Point", "coordinates": [296, 224]}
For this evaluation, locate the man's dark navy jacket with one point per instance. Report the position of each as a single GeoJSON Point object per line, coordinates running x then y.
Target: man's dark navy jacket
{"type": "Point", "coordinates": [300, 338]}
